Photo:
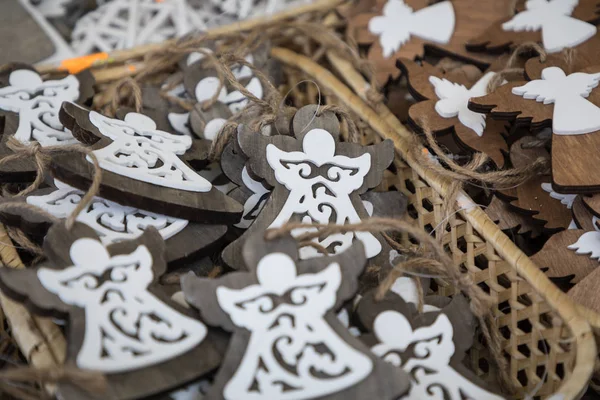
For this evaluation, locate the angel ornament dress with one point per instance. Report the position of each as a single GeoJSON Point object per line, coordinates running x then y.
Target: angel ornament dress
{"type": "Point", "coordinates": [292, 353]}
{"type": "Point", "coordinates": [126, 326]}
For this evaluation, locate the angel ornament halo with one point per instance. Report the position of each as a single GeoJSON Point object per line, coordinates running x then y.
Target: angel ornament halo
{"type": "Point", "coordinates": [140, 151]}
{"type": "Point", "coordinates": [37, 103]}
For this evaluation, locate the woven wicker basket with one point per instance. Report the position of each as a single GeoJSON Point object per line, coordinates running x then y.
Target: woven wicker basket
{"type": "Point", "coordinates": [550, 348]}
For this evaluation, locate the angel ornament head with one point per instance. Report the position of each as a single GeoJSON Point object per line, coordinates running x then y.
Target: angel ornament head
{"type": "Point", "coordinates": [287, 342]}
{"type": "Point", "coordinates": [37, 104]}
{"type": "Point", "coordinates": [315, 180]}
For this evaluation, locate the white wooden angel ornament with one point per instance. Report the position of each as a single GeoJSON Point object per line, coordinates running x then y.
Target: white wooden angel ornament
{"type": "Point", "coordinates": [433, 376]}
{"type": "Point", "coordinates": [143, 166]}
{"type": "Point", "coordinates": [399, 22]}
{"type": "Point", "coordinates": [316, 179]}
{"type": "Point", "coordinates": [282, 315]}
{"type": "Point", "coordinates": [553, 17]}
{"type": "Point", "coordinates": [573, 114]}
{"type": "Point", "coordinates": [37, 104]}
{"type": "Point", "coordinates": [121, 323]}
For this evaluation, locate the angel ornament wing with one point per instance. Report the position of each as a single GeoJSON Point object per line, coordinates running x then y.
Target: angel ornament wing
{"type": "Point", "coordinates": [454, 100]}
{"type": "Point", "coordinates": [37, 103]}
{"type": "Point", "coordinates": [553, 17]}
{"type": "Point", "coordinates": [126, 326]}
{"type": "Point", "coordinates": [573, 113]}
{"type": "Point", "coordinates": [111, 221]}
{"type": "Point", "coordinates": [140, 151]}
{"type": "Point", "coordinates": [399, 22]}
{"type": "Point", "coordinates": [432, 376]}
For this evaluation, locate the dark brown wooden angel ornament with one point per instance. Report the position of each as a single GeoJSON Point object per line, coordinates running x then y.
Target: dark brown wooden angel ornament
{"type": "Point", "coordinates": [113, 222]}
{"type": "Point", "coordinates": [535, 197]}
{"type": "Point", "coordinates": [30, 108]}
{"type": "Point", "coordinates": [315, 179]}
{"type": "Point", "coordinates": [556, 24]}
{"type": "Point", "coordinates": [410, 28]}
{"type": "Point", "coordinates": [568, 102]}
{"type": "Point", "coordinates": [429, 346]}
{"type": "Point", "coordinates": [287, 342]}
{"type": "Point", "coordinates": [253, 192]}
{"type": "Point", "coordinates": [119, 322]}
{"type": "Point", "coordinates": [142, 167]}
{"type": "Point", "coordinates": [442, 108]}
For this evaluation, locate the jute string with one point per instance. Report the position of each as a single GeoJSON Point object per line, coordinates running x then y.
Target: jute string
{"type": "Point", "coordinates": [510, 71]}
{"type": "Point", "coordinates": [433, 258]}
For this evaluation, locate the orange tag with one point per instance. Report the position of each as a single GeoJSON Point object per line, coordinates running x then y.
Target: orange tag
{"type": "Point", "coordinates": [78, 64]}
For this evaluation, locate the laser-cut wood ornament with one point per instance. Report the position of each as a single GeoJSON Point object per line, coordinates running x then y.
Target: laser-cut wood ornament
{"type": "Point", "coordinates": [585, 292]}
{"type": "Point", "coordinates": [315, 179]}
{"type": "Point", "coordinates": [556, 24]}
{"type": "Point", "coordinates": [568, 104]}
{"type": "Point", "coordinates": [410, 28]}
{"type": "Point", "coordinates": [287, 341]}
{"type": "Point", "coordinates": [141, 167]}
{"type": "Point", "coordinates": [582, 216]}
{"type": "Point", "coordinates": [24, 39]}
{"type": "Point", "coordinates": [564, 255]}
{"type": "Point", "coordinates": [30, 108]}
{"type": "Point", "coordinates": [532, 197]}
{"type": "Point", "coordinates": [119, 321]}
{"type": "Point", "coordinates": [442, 108]}
{"type": "Point", "coordinates": [429, 346]}
{"type": "Point", "coordinates": [253, 192]}
{"type": "Point", "coordinates": [185, 241]}
{"type": "Point", "coordinates": [508, 219]}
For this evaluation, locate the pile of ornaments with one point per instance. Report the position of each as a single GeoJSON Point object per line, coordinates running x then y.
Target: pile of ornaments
{"type": "Point", "coordinates": [250, 316]}
{"type": "Point", "coordinates": [64, 29]}
{"type": "Point", "coordinates": [437, 63]}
